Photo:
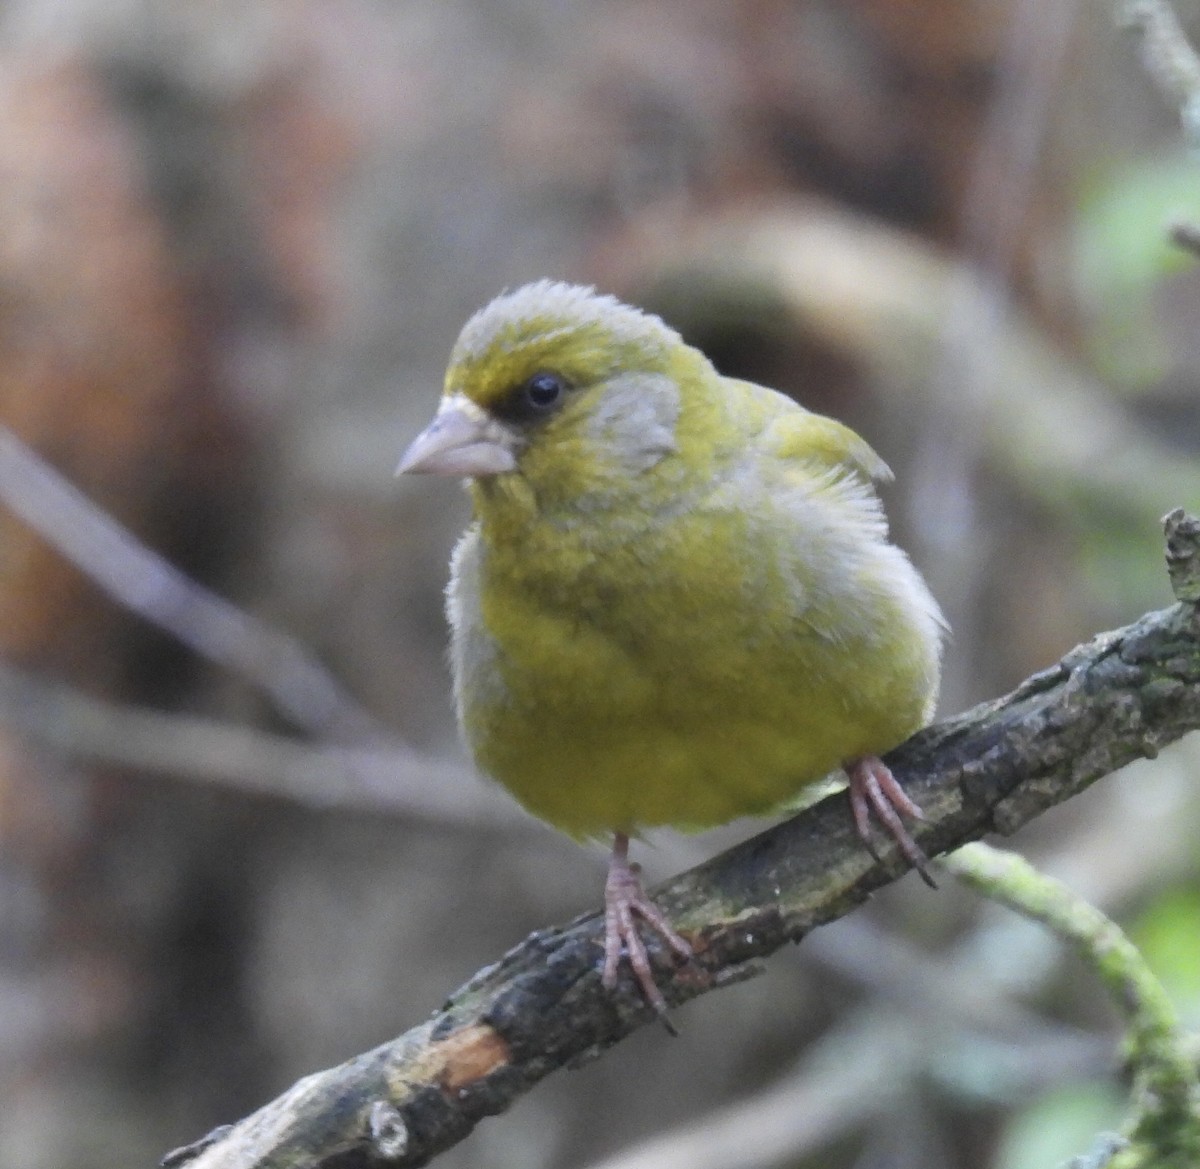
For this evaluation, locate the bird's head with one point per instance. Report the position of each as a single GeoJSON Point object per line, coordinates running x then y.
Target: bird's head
{"type": "Point", "coordinates": [566, 388]}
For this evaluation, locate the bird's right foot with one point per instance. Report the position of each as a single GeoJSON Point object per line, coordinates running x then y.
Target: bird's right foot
{"type": "Point", "coordinates": [624, 902]}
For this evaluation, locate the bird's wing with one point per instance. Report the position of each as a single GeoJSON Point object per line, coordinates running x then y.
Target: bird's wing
{"type": "Point", "coordinates": [818, 439]}
{"type": "Point", "coordinates": [792, 432]}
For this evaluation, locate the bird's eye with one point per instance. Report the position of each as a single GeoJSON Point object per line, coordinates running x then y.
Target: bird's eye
{"type": "Point", "coordinates": [543, 391]}
{"type": "Point", "coordinates": [533, 400]}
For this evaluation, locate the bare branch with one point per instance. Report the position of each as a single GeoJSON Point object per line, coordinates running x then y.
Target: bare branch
{"type": "Point", "coordinates": [1169, 58]}
{"type": "Point", "coordinates": [541, 1007]}
{"type": "Point", "coordinates": [145, 583]}
{"type": "Point", "coordinates": [388, 778]}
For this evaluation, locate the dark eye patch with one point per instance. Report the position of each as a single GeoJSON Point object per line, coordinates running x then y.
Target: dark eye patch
{"type": "Point", "coordinates": [537, 397]}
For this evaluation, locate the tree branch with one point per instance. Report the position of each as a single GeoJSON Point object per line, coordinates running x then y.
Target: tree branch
{"type": "Point", "coordinates": [377, 777]}
{"type": "Point", "coordinates": [1120, 697]}
{"type": "Point", "coordinates": [1165, 1127]}
{"type": "Point", "coordinates": [137, 577]}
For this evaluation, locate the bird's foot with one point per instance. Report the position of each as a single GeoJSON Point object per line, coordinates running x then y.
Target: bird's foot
{"type": "Point", "coordinates": [874, 790]}
{"type": "Point", "coordinates": [624, 902]}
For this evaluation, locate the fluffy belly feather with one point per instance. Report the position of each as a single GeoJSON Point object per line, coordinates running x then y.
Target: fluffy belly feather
{"type": "Point", "coordinates": [632, 718]}
{"type": "Point", "coordinates": [593, 780]}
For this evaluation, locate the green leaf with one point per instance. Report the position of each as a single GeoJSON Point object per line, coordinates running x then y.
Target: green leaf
{"type": "Point", "coordinates": [1059, 1126]}
{"type": "Point", "coordinates": [1166, 933]}
{"type": "Point", "coordinates": [1122, 255]}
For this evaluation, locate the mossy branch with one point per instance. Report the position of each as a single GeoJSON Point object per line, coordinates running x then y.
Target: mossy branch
{"type": "Point", "coordinates": [1164, 1131]}
{"type": "Point", "coordinates": [1120, 697]}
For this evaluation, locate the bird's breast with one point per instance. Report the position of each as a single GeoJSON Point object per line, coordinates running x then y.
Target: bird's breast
{"type": "Point", "coordinates": [686, 673]}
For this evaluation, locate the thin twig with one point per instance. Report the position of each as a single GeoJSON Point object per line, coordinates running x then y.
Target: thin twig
{"type": "Point", "coordinates": [1170, 60]}
{"type": "Point", "coordinates": [142, 581]}
{"type": "Point", "coordinates": [378, 778]}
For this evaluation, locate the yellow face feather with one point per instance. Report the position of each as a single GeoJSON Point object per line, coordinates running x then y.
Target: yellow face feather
{"type": "Point", "coordinates": [553, 326]}
{"type": "Point", "coordinates": [677, 603]}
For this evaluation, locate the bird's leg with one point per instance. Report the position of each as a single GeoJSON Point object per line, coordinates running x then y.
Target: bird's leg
{"type": "Point", "coordinates": [624, 902]}
{"type": "Point", "coordinates": [873, 789]}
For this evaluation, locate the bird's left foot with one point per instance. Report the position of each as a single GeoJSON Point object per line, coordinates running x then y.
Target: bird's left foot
{"type": "Point", "coordinates": [624, 902]}
{"type": "Point", "coordinates": [874, 790]}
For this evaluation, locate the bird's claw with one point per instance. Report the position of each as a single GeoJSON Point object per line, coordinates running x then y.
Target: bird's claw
{"type": "Point", "coordinates": [624, 902]}
{"type": "Point", "coordinates": [874, 791]}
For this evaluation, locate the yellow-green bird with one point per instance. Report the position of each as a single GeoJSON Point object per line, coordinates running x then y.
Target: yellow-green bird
{"type": "Point", "coordinates": [677, 603]}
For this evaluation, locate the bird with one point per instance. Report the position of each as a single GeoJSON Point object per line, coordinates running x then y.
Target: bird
{"type": "Point", "coordinates": [676, 603]}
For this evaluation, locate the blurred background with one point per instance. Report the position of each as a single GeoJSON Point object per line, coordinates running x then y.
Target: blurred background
{"type": "Point", "coordinates": [239, 842]}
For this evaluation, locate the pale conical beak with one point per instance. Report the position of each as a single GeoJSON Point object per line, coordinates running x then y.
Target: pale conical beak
{"type": "Point", "coordinates": [461, 440]}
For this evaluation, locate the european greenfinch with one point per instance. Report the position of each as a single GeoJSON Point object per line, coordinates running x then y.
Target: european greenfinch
{"type": "Point", "coordinates": [677, 603]}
